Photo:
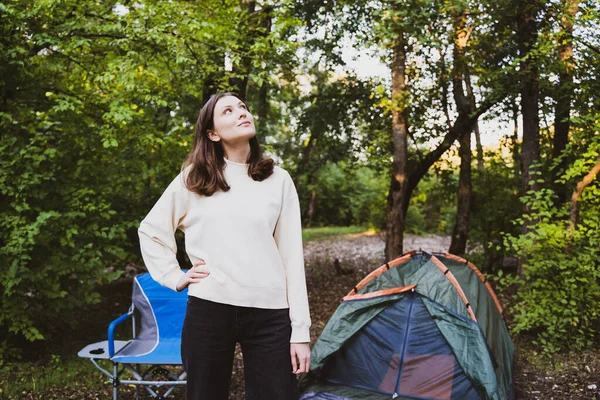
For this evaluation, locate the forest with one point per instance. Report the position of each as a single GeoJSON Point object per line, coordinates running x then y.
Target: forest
{"type": "Point", "coordinates": [473, 120]}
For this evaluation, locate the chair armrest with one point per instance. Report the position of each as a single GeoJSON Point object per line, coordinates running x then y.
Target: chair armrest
{"type": "Point", "coordinates": [111, 332]}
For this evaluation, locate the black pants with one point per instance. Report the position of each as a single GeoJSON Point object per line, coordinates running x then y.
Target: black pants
{"type": "Point", "coordinates": [210, 333]}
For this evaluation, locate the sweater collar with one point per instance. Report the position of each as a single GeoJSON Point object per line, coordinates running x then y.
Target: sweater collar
{"type": "Point", "coordinates": [232, 166]}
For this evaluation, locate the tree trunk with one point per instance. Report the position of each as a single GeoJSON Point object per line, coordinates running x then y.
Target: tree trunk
{"type": "Point", "coordinates": [312, 205]}
{"type": "Point", "coordinates": [239, 83]}
{"type": "Point", "coordinates": [460, 234]}
{"type": "Point", "coordinates": [530, 150]}
{"type": "Point", "coordinates": [398, 193]}
{"type": "Point", "coordinates": [304, 163]}
{"type": "Point", "coordinates": [471, 98]}
{"type": "Point", "coordinates": [515, 139]}
{"type": "Point", "coordinates": [465, 104]}
{"type": "Point", "coordinates": [564, 95]}
{"type": "Point", "coordinates": [479, 147]}
{"type": "Point", "coordinates": [444, 84]}
{"type": "Point", "coordinates": [266, 22]}
{"type": "Point", "coordinates": [304, 168]}
{"type": "Point", "coordinates": [259, 24]}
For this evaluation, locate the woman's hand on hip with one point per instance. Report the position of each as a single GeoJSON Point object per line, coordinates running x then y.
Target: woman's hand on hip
{"type": "Point", "coordinates": [194, 274]}
{"type": "Point", "coordinates": [300, 357]}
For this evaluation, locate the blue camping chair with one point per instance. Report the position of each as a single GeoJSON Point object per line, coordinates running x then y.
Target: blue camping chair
{"type": "Point", "coordinates": [157, 345]}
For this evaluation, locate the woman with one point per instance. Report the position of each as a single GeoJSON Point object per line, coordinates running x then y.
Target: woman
{"type": "Point", "coordinates": [241, 219]}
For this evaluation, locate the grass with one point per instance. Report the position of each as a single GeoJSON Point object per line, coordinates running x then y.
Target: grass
{"type": "Point", "coordinates": [60, 379]}
{"type": "Point", "coordinates": [17, 380]}
{"type": "Point", "coordinates": [312, 234]}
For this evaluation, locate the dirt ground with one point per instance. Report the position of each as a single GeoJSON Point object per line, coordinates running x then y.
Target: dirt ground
{"type": "Point", "coordinates": [578, 375]}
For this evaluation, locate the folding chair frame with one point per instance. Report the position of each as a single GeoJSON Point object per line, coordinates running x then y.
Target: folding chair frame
{"type": "Point", "coordinates": [106, 350]}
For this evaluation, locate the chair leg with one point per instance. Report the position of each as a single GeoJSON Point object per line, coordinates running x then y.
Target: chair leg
{"type": "Point", "coordinates": [115, 381]}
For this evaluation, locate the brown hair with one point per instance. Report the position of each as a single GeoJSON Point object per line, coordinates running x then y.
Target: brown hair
{"type": "Point", "coordinates": [207, 157]}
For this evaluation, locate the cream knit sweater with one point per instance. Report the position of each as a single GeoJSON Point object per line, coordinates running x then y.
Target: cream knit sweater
{"type": "Point", "coordinates": [250, 238]}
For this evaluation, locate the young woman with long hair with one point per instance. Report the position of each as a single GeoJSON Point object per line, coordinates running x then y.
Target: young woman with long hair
{"type": "Point", "coordinates": [241, 218]}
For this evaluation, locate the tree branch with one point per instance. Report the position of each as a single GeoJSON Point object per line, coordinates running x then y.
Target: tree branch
{"type": "Point", "coordinates": [462, 123]}
{"type": "Point", "coordinates": [577, 194]}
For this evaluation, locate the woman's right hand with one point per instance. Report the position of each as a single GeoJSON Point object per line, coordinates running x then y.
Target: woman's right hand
{"type": "Point", "coordinates": [194, 274]}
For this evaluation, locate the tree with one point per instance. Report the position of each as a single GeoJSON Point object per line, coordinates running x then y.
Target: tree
{"type": "Point", "coordinates": [399, 192]}
{"type": "Point", "coordinates": [467, 114]}
{"type": "Point", "coordinates": [527, 30]}
{"type": "Point", "coordinates": [97, 114]}
{"type": "Point", "coordinates": [337, 114]}
{"type": "Point", "coordinates": [565, 91]}
{"type": "Point", "coordinates": [466, 105]}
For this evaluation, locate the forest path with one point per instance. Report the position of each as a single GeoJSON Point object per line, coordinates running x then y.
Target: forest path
{"type": "Point", "coordinates": [368, 245]}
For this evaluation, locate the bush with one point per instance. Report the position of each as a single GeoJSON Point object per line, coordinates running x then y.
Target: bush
{"type": "Point", "coordinates": [432, 208]}
{"type": "Point", "coordinates": [87, 140]}
{"type": "Point", "coordinates": [558, 298]}
{"type": "Point", "coordinates": [347, 195]}
{"type": "Point", "coordinates": [494, 205]}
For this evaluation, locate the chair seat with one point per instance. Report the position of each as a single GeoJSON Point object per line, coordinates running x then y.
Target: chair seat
{"type": "Point", "coordinates": [167, 351]}
{"type": "Point", "coordinates": [99, 350]}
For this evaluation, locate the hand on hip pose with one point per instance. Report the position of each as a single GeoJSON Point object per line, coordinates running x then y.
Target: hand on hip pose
{"type": "Point", "coordinates": [194, 274]}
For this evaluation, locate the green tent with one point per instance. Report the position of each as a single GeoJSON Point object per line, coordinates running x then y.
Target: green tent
{"type": "Point", "coordinates": [423, 326]}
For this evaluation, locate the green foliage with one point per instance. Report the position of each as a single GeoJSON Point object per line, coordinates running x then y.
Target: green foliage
{"type": "Point", "coordinates": [346, 195]}
{"type": "Point", "coordinates": [433, 205]}
{"type": "Point", "coordinates": [494, 205]}
{"type": "Point", "coordinates": [559, 296]}
{"type": "Point", "coordinates": [21, 380]}
{"type": "Point", "coordinates": [98, 108]}
{"type": "Point", "coordinates": [99, 102]}
{"type": "Point", "coordinates": [367, 198]}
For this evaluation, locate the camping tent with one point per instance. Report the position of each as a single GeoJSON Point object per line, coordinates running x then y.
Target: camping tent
{"type": "Point", "coordinates": [423, 326]}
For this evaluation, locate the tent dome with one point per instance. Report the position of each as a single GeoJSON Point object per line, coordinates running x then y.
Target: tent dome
{"type": "Point", "coordinates": [423, 326]}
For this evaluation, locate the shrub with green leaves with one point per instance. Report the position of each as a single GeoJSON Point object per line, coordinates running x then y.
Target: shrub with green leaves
{"type": "Point", "coordinates": [495, 204]}
{"type": "Point", "coordinates": [346, 195]}
{"type": "Point", "coordinates": [558, 298]}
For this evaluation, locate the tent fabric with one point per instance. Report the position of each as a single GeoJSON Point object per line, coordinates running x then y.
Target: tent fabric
{"type": "Point", "coordinates": [488, 315]}
{"type": "Point", "coordinates": [407, 358]}
{"type": "Point", "coordinates": [325, 391]}
{"type": "Point", "coordinates": [367, 335]}
{"type": "Point", "coordinates": [469, 347]}
{"type": "Point", "coordinates": [162, 312]}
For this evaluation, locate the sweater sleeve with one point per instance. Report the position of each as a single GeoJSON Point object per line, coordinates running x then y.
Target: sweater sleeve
{"type": "Point", "coordinates": [288, 236]}
{"type": "Point", "coordinates": [157, 234]}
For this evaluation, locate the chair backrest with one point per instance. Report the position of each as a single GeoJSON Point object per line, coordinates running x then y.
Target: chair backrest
{"type": "Point", "coordinates": [162, 310]}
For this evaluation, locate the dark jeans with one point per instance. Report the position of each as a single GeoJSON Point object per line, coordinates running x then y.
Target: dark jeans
{"type": "Point", "coordinates": [210, 332]}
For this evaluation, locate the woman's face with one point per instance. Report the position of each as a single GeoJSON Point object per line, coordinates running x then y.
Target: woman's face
{"type": "Point", "coordinates": [232, 122]}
